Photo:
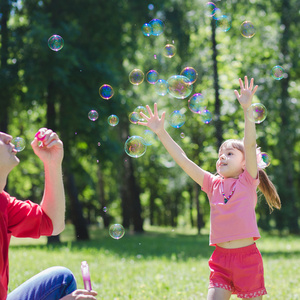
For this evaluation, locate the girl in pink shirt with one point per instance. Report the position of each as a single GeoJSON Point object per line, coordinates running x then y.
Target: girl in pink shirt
{"type": "Point", "coordinates": [236, 264]}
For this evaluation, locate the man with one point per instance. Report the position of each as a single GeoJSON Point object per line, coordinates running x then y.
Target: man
{"type": "Point", "coordinates": [27, 219]}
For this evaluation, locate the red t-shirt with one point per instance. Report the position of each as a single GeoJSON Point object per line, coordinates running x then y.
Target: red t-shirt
{"type": "Point", "coordinates": [20, 219]}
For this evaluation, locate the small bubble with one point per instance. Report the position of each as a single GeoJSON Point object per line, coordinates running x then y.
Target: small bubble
{"type": "Point", "coordinates": [56, 42]}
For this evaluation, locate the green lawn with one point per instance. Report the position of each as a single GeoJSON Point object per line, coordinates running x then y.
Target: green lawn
{"type": "Point", "coordinates": [159, 264]}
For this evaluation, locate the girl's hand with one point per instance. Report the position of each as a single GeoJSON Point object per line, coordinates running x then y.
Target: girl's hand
{"type": "Point", "coordinates": [81, 295]}
{"type": "Point", "coordinates": [245, 98]}
{"type": "Point", "coordinates": [155, 123]}
{"type": "Point", "coordinates": [50, 147]}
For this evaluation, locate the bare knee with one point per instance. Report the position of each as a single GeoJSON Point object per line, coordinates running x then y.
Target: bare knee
{"type": "Point", "coordinates": [218, 294]}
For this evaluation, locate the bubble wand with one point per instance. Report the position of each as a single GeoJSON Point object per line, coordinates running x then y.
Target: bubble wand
{"type": "Point", "coordinates": [86, 276]}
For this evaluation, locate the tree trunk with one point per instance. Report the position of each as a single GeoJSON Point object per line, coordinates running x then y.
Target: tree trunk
{"type": "Point", "coordinates": [218, 122]}
{"type": "Point", "coordinates": [289, 213]}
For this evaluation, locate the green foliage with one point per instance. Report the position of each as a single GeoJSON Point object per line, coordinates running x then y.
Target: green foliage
{"type": "Point", "coordinates": [103, 43]}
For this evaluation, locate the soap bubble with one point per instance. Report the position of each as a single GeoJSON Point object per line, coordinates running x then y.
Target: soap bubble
{"type": "Point", "coordinates": [190, 73]}
{"type": "Point", "coordinates": [106, 91]}
{"type": "Point", "coordinates": [152, 76]}
{"type": "Point", "coordinates": [135, 146]}
{"type": "Point", "coordinates": [147, 29]}
{"type": "Point", "coordinates": [223, 23]}
{"type": "Point", "coordinates": [182, 135]}
{"type": "Point", "coordinates": [177, 119]}
{"type": "Point", "coordinates": [217, 13]}
{"type": "Point", "coordinates": [113, 120]}
{"type": "Point", "coordinates": [179, 86]}
{"type": "Point", "coordinates": [116, 231]}
{"type": "Point", "coordinates": [136, 77]}
{"type": "Point", "coordinates": [19, 143]}
{"type": "Point", "coordinates": [150, 6]}
{"type": "Point", "coordinates": [93, 115]}
{"type": "Point", "coordinates": [206, 116]}
{"type": "Point", "coordinates": [141, 109]}
{"type": "Point", "coordinates": [257, 113]}
{"type": "Point", "coordinates": [161, 87]}
{"type": "Point", "coordinates": [55, 42]}
{"type": "Point", "coordinates": [157, 27]}
{"type": "Point", "coordinates": [277, 72]}
{"type": "Point", "coordinates": [134, 117]}
{"type": "Point", "coordinates": [149, 137]}
{"type": "Point", "coordinates": [209, 9]}
{"type": "Point", "coordinates": [196, 103]}
{"type": "Point", "coordinates": [247, 29]}
{"type": "Point", "coordinates": [169, 50]}
{"type": "Point", "coordinates": [266, 159]}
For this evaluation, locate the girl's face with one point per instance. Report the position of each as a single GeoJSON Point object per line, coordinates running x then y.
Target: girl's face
{"type": "Point", "coordinates": [231, 162]}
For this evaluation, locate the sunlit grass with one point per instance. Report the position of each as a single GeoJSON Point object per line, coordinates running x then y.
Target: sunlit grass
{"type": "Point", "coordinates": [162, 263]}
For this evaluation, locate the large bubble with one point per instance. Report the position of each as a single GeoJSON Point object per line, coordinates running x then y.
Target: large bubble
{"type": "Point", "coordinates": [277, 72]}
{"type": "Point", "coordinates": [135, 146]}
{"type": "Point", "coordinates": [113, 120]}
{"type": "Point", "coordinates": [190, 73]}
{"type": "Point", "coordinates": [177, 119]}
{"type": "Point", "coordinates": [169, 50]}
{"type": "Point", "coordinates": [147, 29]}
{"type": "Point", "coordinates": [179, 86]}
{"type": "Point", "coordinates": [161, 87]}
{"type": "Point", "coordinates": [106, 91]}
{"type": "Point", "coordinates": [224, 23]}
{"type": "Point", "coordinates": [247, 29]}
{"type": "Point", "coordinates": [206, 116]}
{"type": "Point", "coordinates": [157, 27]}
{"type": "Point", "coordinates": [140, 109]}
{"type": "Point", "coordinates": [116, 231]}
{"type": "Point", "coordinates": [136, 77]}
{"type": "Point", "coordinates": [19, 143]}
{"type": "Point", "coordinates": [149, 137]}
{"type": "Point", "coordinates": [152, 76]}
{"type": "Point", "coordinates": [257, 113]}
{"type": "Point", "coordinates": [196, 103]}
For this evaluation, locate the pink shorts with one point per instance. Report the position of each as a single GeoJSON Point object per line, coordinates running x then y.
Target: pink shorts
{"type": "Point", "coordinates": [239, 271]}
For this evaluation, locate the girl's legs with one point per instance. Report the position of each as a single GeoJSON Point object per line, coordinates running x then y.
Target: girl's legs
{"type": "Point", "coordinates": [218, 294]}
{"type": "Point", "coordinates": [256, 298]}
{"type": "Point", "coordinates": [51, 284]}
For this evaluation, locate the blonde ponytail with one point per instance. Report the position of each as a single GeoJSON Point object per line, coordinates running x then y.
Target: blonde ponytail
{"type": "Point", "coordinates": [269, 190]}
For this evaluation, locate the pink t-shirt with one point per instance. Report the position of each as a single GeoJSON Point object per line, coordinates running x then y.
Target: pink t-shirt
{"type": "Point", "coordinates": [236, 219]}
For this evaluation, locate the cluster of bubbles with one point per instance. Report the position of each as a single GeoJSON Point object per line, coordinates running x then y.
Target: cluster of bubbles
{"type": "Point", "coordinates": [154, 27]}
{"type": "Point", "coordinates": [222, 21]}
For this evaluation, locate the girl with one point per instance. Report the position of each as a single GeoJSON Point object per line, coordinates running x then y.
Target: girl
{"type": "Point", "coordinates": [236, 264]}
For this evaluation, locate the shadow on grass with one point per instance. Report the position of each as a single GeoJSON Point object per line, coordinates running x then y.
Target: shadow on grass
{"type": "Point", "coordinates": [160, 243]}
{"type": "Point", "coordinates": [146, 245]}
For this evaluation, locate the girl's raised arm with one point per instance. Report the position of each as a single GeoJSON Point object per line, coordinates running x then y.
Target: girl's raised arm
{"type": "Point", "coordinates": [156, 124]}
{"type": "Point", "coordinates": [245, 99]}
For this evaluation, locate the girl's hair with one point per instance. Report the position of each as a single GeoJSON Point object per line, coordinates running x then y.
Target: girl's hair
{"type": "Point", "coordinates": [265, 184]}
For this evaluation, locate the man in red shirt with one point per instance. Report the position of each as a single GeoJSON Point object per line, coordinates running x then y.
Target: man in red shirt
{"type": "Point", "coordinates": [28, 219]}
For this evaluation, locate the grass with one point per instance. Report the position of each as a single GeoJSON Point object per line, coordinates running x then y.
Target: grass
{"type": "Point", "coordinates": [159, 264]}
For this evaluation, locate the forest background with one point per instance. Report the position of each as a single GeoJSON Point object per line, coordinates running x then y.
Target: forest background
{"type": "Point", "coordinates": [103, 43]}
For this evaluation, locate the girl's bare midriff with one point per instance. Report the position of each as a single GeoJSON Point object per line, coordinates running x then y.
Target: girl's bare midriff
{"type": "Point", "coordinates": [237, 243]}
